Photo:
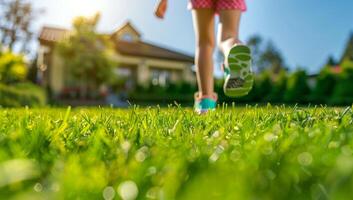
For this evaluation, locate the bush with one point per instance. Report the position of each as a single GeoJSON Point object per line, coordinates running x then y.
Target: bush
{"type": "Point", "coordinates": [278, 88]}
{"type": "Point", "coordinates": [297, 88]}
{"type": "Point", "coordinates": [324, 88]}
{"type": "Point", "coordinates": [12, 68]}
{"type": "Point", "coordinates": [343, 92]}
{"type": "Point", "coordinates": [261, 89]}
{"type": "Point", "coordinates": [263, 86]}
{"type": "Point", "coordinates": [23, 94]}
{"type": "Point", "coordinates": [181, 92]}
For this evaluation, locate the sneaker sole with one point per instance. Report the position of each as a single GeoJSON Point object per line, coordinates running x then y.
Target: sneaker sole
{"type": "Point", "coordinates": [241, 78]}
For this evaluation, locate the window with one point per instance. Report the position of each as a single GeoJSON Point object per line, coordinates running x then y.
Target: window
{"type": "Point", "coordinates": [160, 77]}
{"type": "Point", "coordinates": [123, 72]}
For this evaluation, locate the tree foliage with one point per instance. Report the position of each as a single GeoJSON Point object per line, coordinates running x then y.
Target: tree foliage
{"type": "Point", "coordinates": [279, 86]}
{"type": "Point", "coordinates": [297, 90]}
{"type": "Point", "coordinates": [88, 55]}
{"type": "Point", "coordinates": [325, 84]}
{"type": "Point", "coordinates": [17, 17]}
{"type": "Point", "coordinates": [343, 92]}
{"type": "Point", "coordinates": [12, 68]}
{"type": "Point", "coordinates": [266, 56]}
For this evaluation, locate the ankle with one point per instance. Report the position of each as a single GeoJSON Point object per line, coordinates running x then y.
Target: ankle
{"type": "Point", "coordinates": [227, 44]}
{"type": "Point", "coordinates": [211, 95]}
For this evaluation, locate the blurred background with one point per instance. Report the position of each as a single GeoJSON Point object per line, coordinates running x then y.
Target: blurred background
{"type": "Point", "coordinates": [115, 52]}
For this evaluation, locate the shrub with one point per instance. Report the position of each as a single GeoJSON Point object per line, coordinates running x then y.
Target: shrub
{"type": "Point", "coordinates": [343, 92]}
{"type": "Point", "coordinates": [261, 88]}
{"type": "Point", "coordinates": [12, 68]}
{"type": "Point", "coordinates": [23, 94]}
{"type": "Point", "coordinates": [181, 92]}
{"type": "Point", "coordinates": [173, 88]}
{"type": "Point", "coordinates": [324, 88]}
{"type": "Point", "coordinates": [278, 88]}
{"type": "Point", "coordinates": [264, 86]}
{"type": "Point", "coordinates": [297, 88]}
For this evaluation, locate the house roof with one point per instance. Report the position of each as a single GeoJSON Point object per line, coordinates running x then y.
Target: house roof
{"type": "Point", "coordinates": [145, 49]}
{"type": "Point", "coordinates": [51, 35]}
{"type": "Point", "coordinates": [128, 25]}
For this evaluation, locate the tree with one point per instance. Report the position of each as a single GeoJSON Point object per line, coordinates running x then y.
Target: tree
{"type": "Point", "coordinates": [15, 27]}
{"type": "Point", "coordinates": [255, 44]}
{"type": "Point", "coordinates": [331, 61]}
{"type": "Point", "coordinates": [348, 54]}
{"type": "Point", "coordinates": [325, 84]}
{"type": "Point", "coordinates": [265, 56]}
{"type": "Point", "coordinates": [297, 88]}
{"type": "Point", "coordinates": [278, 88]}
{"type": "Point", "coordinates": [272, 59]}
{"type": "Point", "coordinates": [12, 68]}
{"type": "Point", "coordinates": [342, 92]}
{"type": "Point", "coordinates": [264, 85]}
{"type": "Point", "coordinates": [87, 55]}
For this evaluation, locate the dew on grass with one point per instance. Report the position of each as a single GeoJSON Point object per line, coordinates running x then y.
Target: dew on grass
{"type": "Point", "coordinates": [215, 155]}
{"type": "Point", "coordinates": [108, 193]}
{"type": "Point", "coordinates": [215, 134]}
{"type": "Point", "coordinates": [236, 128]}
{"type": "Point", "coordinates": [269, 137]}
{"type": "Point", "coordinates": [126, 145]}
{"type": "Point", "coordinates": [38, 187]}
{"type": "Point", "coordinates": [305, 158]}
{"type": "Point", "coordinates": [151, 171]}
{"type": "Point", "coordinates": [128, 190]}
{"type": "Point", "coordinates": [140, 156]}
{"type": "Point", "coordinates": [152, 193]}
{"type": "Point", "coordinates": [235, 155]}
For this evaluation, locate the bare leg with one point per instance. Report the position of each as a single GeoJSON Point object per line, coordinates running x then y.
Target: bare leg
{"type": "Point", "coordinates": [228, 31]}
{"type": "Point", "coordinates": [238, 76]}
{"type": "Point", "coordinates": [205, 43]}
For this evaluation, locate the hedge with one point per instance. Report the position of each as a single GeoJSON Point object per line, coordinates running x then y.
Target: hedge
{"type": "Point", "coordinates": [23, 94]}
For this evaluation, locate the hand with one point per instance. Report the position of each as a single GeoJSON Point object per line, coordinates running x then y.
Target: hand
{"type": "Point", "coordinates": [161, 9]}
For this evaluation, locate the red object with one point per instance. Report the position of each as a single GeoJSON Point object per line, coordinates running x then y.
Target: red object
{"type": "Point", "coordinates": [336, 69]}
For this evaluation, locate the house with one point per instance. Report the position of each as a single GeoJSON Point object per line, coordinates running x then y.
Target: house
{"type": "Point", "coordinates": [140, 62]}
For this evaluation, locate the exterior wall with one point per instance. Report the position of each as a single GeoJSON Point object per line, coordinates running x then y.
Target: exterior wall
{"type": "Point", "coordinates": [42, 64]}
{"type": "Point", "coordinates": [57, 78]}
{"type": "Point", "coordinates": [143, 72]}
{"type": "Point", "coordinates": [180, 70]}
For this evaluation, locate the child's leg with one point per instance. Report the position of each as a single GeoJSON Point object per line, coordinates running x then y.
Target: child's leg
{"type": "Point", "coordinates": [228, 33]}
{"type": "Point", "coordinates": [205, 44]}
{"type": "Point", "coordinates": [237, 66]}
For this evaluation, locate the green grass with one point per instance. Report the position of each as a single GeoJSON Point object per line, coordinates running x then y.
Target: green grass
{"type": "Point", "coordinates": [171, 153]}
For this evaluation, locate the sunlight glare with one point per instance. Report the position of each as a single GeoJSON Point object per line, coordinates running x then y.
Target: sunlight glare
{"type": "Point", "coordinates": [85, 8]}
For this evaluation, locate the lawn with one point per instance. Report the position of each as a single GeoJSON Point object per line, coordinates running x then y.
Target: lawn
{"type": "Point", "coordinates": [170, 153]}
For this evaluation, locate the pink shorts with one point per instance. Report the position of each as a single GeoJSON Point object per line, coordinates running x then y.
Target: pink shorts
{"type": "Point", "coordinates": [218, 5]}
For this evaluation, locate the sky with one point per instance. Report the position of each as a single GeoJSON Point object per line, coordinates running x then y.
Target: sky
{"type": "Point", "coordinates": [306, 31]}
